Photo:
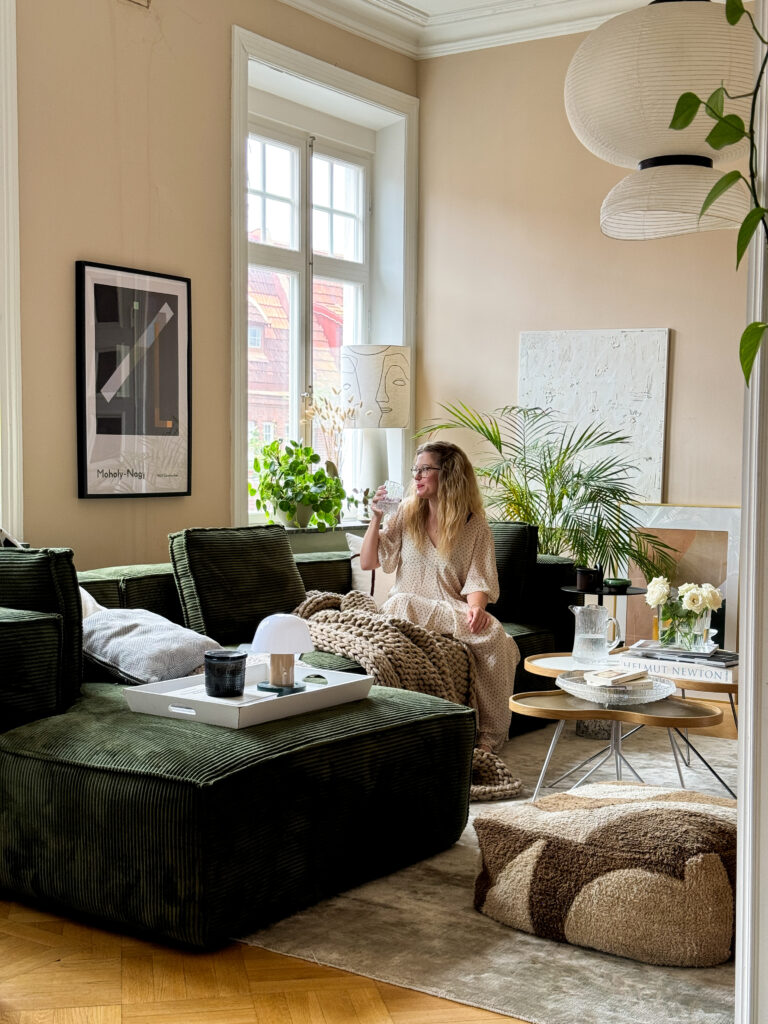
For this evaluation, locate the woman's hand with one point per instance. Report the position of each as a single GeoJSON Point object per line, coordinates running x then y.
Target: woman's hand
{"type": "Point", "coordinates": [478, 619]}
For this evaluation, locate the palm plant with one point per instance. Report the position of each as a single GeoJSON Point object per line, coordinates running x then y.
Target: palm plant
{"type": "Point", "coordinates": [569, 482]}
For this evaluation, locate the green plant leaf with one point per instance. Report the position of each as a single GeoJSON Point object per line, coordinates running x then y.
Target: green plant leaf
{"type": "Point", "coordinates": [715, 105]}
{"type": "Point", "coordinates": [721, 185]}
{"type": "Point", "coordinates": [749, 346]}
{"type": "Point", "coordinates": [734, 10]}
{"type": "Point", "coordinates": [686, 108]}
{"type": "Point", "coordinates": [748, 227]}
{"type": "Point", "coordinates": [728, 130]}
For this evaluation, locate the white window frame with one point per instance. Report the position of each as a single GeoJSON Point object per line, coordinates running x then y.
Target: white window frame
{"type": "Point", "coordinates": [11, 455]}
{"type": "Point", "coordinates": [398, 328]}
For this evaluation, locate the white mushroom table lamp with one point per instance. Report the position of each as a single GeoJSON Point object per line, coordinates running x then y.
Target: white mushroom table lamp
{"type": "Point", "coordinates": [282, 637]}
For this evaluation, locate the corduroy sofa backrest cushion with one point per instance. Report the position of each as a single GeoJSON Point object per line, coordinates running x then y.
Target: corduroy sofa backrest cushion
{"type": "Point", "coordinates": [229, 579]}
{"type": "Point", "coordinates": [44, 580]}
{"type": "Point", "coordinates": [516, 546]}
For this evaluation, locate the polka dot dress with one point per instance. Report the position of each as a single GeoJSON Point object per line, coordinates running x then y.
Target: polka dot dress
{"type": "Point", "coordinates": [431, 590]}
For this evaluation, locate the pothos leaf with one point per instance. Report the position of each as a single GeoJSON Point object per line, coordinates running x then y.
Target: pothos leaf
{"type": "Point", "coordinates": [749, 346]}
{"type": "Point", "coordinates": [729, 130]}
{"type": "Point", "coordinates": [716, 103]}
{"type": "Point", "coordinates": [734, 9]}
{"type": "Point", "coordinates": [686, 108]}
{"type": "Point", "coordinates": [748, 227]}
{"type": "Point", "coordinates": [721, 185]}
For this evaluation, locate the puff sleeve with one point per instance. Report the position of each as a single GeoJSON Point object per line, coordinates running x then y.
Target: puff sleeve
{"type": "Point", "coordinates": [482, 574]}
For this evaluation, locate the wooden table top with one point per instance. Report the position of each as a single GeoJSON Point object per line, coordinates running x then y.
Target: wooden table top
{"type": "Point", "coordinates": [670, 713]}
{"type": "Point", "coordinates": [552, 665]}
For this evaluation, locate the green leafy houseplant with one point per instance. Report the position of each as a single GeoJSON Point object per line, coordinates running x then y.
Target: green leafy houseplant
{"type": "Point", "coordinates": [727, 130]}
{"type": "Point", "coordinates": [545, 473]}
{"type": "Point", "coordinates": [292, 485]}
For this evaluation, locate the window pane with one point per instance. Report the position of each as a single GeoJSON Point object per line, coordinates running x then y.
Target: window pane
{"type": "Point", "coordinates": [254, 164]}
{"type": "Point", "coordinates": [344, 237]}
{"type": "Point", "coordinates": [321, 181]}
{"type": "Point", "coordinates": [346, 183]}
{"type": "Point", "coordinates": [279, 223]}
{"type": "Point", "coordinates": [279, 170]}
{"type": "Point", "coordinates": [272, 193]}
{"type": "Point", "coordinates": [255, 222]}
{"type": "Point", "coordinates": [337, 203]}
{"type": "Point", "coordinates": [335, 321]}
{"type": "Point", "coordinates": [321, 232]}
{"type": "Point", "coordinates": [271, 296]}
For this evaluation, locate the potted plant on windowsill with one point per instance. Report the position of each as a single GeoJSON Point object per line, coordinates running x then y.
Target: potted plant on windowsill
{"type": "Point", "coordinates": [571, 483]}
{"type": "Point", "coordinates": [294, 488]}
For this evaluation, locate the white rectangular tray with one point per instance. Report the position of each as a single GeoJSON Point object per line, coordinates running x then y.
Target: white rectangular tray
{"type": "Point", "coordinates": [186, 698]}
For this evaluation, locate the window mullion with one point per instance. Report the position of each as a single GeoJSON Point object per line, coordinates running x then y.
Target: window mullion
{"type": "Point", "coordinates": [305, 389]}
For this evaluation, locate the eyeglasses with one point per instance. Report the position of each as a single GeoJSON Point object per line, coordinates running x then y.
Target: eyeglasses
{"type": "Point", "coordinates": [417, 471]}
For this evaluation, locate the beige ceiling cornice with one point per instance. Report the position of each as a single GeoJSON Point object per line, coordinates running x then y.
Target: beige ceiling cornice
{"type": "Point", "coordinates": [434, 28]}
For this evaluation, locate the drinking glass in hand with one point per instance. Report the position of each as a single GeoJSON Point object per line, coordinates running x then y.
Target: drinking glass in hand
{"type": "Point", "coordinates": [392, 497]}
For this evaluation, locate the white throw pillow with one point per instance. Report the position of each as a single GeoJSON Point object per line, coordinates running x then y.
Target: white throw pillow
{"type": "Point", "coordinates": [377, 583]}
{"type": "Point", "coordinates": [139, 646]}
{"type": "Point", "coordinates": [89, 603]}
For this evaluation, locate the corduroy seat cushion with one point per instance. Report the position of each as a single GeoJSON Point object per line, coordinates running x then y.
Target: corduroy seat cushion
{"type": "Point", "coordinates": [44, 580]}
{"type": "Point", "coordinates": [30, 666]}
{"type": "Point", "coordinates": [230, 579]}
{"type": "Point", "coordinates": [639, 871]}
{"type": "Point", "coordinates": [198, 833]}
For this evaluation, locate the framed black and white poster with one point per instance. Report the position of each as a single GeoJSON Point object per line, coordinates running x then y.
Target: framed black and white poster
{"type": "Point", "coordinates": [133, 382]}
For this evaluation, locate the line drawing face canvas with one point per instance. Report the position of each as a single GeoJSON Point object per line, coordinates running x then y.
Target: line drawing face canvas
{"type": "Point", "coordinates": [616, 376]}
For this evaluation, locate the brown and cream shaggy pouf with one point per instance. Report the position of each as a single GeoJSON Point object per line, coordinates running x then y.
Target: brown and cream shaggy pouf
{"type": "Point", "coordinates": [639, 871]}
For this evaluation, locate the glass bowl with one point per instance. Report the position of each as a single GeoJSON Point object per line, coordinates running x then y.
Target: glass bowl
{"type": "Point", "coordinates": [654, 688]}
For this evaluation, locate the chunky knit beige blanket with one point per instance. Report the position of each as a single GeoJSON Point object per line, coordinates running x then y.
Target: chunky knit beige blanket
{"type": "Point", "coordinates": [395, 652]}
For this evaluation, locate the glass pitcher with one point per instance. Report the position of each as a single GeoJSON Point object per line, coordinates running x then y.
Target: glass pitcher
{"type": "Point", "coordinates": [590, 641]}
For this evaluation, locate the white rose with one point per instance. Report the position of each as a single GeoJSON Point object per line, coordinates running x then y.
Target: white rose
{"type": "Point", "coordinates": [694, 600]}
{"type": "Point", "coordinates": [712, 596]}
{"type": "Point", "coordinates": [658, 591]}
{"type": "Point", "coordinates": [685, 587]}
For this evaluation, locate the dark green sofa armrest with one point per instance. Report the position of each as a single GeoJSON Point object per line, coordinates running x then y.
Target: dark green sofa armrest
{"type": "Point", "coordinates": [151, 586]}
{"type": "Point", "coordinates": [325, 570]}
{"type": "Point", "coordinates": [548, 603]}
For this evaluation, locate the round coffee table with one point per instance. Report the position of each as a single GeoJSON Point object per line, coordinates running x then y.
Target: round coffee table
{"type": "Point", "coordinates": [672, 714]}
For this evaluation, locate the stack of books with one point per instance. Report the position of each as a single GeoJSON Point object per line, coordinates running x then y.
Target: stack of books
{"type": "Point", "coordinates": [715, 666]}
{"type": "Point", "coordinates": [618, 678]}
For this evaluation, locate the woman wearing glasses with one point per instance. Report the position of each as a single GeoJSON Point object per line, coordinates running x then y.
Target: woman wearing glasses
{"type": "Point", "coordinates": [441, 547]}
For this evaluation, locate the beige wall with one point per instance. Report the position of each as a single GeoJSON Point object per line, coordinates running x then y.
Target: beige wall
{"type": "Point", "coordinates": [124, 139]}
{"type": "Point", "coordinates": [124, 123]}
{"type": "Point", "coordinates": [510, 241]}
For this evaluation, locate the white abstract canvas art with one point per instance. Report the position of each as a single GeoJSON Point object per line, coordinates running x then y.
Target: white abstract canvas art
{"type": "Point", "coordinates": [616, 376]}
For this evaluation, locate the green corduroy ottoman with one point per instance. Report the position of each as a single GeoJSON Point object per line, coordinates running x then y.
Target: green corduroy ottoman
{"type": "Point", "coordinates": [197, 834]}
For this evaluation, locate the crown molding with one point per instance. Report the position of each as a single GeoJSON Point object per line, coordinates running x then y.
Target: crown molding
{"type": "Point", "coordinates": [476, 25]}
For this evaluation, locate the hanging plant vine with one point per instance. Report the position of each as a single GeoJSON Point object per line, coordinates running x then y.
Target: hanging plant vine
{"type": "Point", "coordinates": [728, 130]}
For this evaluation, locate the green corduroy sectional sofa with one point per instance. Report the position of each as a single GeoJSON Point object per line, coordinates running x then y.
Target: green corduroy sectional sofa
{"type": "Point", "coordinates": [196, 834]}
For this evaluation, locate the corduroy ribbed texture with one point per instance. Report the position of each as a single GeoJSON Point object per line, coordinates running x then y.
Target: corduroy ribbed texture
{"type": "Point", "coordinates": [151, 586]}
{"type": "Point", "coordinates": [230, 579]}
{"type": "Point", "coordinates": [197, 833]}
{"type": "Point", "coordinates": [44, 580]}
{"type": "Point", "coordinates": [515, 545]}
{"type": "Point", "coordinates": [325, 570]}
{"type": "Point", "coordinates": [30, 666]}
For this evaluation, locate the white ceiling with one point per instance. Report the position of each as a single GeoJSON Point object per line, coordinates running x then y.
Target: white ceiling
{"type": "Point", "coordinates": [432, 28]}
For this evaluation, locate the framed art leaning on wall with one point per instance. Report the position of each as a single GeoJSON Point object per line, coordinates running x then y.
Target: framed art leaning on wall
{"type": "Point", "coordinates": [133, 382]}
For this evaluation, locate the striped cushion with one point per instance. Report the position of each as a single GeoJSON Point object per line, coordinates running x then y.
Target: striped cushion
{"type": "Point", "coordinates": [198, 834]}
{"type": "Point", "coordinates": [230, 579]}
{"type": "Point", "coordinates": [30, 666]}
{"type": "Point", "coordinates": [44, 580]}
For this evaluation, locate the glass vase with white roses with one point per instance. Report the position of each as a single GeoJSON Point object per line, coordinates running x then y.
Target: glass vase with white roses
{"type": "Point", "coordinates": [684, 612]}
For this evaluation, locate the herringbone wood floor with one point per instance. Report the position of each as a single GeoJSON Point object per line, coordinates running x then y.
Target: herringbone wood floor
{"type": "Point", "coordinates": [55, 971]}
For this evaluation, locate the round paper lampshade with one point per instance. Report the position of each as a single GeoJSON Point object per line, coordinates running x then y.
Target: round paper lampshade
{"type": "Point", "coordinates": [626, 77]}
{"type": "Point", "coordinates": [661, 201]}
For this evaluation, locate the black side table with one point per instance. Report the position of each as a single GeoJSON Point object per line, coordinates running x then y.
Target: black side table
{"type": "Point", "coordinates": [603, 591]}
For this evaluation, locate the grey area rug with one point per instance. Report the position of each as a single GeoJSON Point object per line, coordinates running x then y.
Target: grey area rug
{"type": "Point", "coordinates": [418, 928]}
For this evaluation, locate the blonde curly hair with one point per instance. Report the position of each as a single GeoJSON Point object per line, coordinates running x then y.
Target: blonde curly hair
{"type": "Point", "coordinates": [458, 497]}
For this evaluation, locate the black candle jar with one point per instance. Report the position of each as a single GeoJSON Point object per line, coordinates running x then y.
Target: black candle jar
{"type": "Point", "coordinates": [225, 673]}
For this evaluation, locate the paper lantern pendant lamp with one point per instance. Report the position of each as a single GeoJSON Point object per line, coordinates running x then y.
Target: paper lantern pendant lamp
{"type": "Point", "coordinates": [620, 92]}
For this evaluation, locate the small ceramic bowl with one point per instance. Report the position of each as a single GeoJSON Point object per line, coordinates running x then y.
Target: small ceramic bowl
{"type": "Point", "coordinates": [616, 586]}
